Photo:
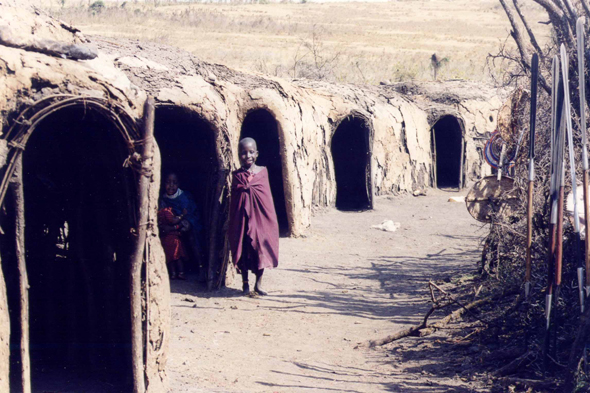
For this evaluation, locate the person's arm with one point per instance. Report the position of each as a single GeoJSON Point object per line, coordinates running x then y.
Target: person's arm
{"type": "Point", "coordinates": [168, 222]}
{"type": "Point", "coordinates": [175, 220]}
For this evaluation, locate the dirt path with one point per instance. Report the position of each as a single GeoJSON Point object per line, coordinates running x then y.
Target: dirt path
{"type": "Point", "coordinates": [341, 285]}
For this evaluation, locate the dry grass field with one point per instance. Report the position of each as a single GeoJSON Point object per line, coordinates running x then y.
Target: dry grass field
{"type": "Point", "coordinates": [364, 42]}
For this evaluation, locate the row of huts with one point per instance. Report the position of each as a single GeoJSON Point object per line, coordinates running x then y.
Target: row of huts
{"type": "Point", "coordinates": [88, 126]}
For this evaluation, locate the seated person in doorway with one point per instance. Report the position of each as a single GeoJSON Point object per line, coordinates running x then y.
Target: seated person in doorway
{"type": "Point", "coordinates": [253, 229]}
{"type": "Point", "coordinates": [179, 224]}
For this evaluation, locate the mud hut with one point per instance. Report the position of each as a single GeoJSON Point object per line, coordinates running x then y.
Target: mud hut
{"type": "Point", "coordinates": [82, 148]}
{"type": "Point", "coordinates": [462, 116]}
{"type": "Point", "coordinates": [84, 295]}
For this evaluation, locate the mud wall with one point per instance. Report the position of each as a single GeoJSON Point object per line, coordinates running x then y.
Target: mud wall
{"type": "Point", "coordinates": [307, 114]}
{"type": "Point", "coordinates": [474, 105]}
{"type": "Point", "coordinates": [27, 77]}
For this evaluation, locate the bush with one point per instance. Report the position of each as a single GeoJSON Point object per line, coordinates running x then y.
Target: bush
{"type": "Point", "coordinates": [96, 7]}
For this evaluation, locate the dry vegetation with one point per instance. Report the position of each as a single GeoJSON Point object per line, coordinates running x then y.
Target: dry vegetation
{"type": "Point", "coordinates": [345, 42]}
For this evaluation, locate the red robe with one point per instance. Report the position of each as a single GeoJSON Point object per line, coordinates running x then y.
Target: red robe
{"type": "Point", "coordinates": [251, 202]}
{"type": "Point", "coordinates": [171, 241]}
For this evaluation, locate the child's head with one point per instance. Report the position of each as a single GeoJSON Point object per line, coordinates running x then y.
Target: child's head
{"type": "Point", "coordinates": [171, 183]}
{"type": "Point", "coordinates": [248, 152]}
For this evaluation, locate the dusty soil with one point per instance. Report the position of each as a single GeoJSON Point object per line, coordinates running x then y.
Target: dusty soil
{"type": "Point", "coordinates": [359, 42]}
{"type": "Point", "coordinates": [341, 285]}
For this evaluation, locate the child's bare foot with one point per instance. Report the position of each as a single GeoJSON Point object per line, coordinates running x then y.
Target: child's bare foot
{"type": "Point", "coordinates": [173, 276]}
{"type": "Point", "coordinates": [258, 285]}
{"type": "Point", "coordinates": [181, 276]}
{"type": "Point", "coordinates": [260, 291]}
{"type": "Point", "coordinates": [246, 289]}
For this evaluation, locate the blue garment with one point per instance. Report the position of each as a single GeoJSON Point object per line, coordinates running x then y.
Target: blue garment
{"type": "Point", "coordinates": [186, 201]}
{"type": "Point", "coordinates": [181, 202]}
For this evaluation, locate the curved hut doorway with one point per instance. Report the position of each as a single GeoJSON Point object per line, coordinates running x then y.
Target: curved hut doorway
{"type": "Point", "coordinates": [80, 208]}
{"type": "Point", "coordinates": [188, 149]}
{"type": "Point", "coordinates": [261, 125]}
{"type": "Point", "coordinates": [352, 164]}
{"type": "Point", "coordinates": [447, 136]}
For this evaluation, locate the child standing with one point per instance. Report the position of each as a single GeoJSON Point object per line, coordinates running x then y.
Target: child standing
{"type": "Point", "coordinates": [170, 225]}
{"type": "Point", "coordinates": [253, 228]}
{"type": "Point", "coordinates": [179, 223]}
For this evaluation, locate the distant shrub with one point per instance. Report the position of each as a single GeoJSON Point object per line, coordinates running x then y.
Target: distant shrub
{"type": "Point", "coordinates": [96, 7]}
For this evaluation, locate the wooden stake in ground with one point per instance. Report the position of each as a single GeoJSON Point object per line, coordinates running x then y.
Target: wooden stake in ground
{"type": "Point", "coordinates": [582, 84]}
{"type": "Point", "coordinates": [572, 159]}
{"type": "Point", "coordinates": [138, 255]}
{"type": "Point", "coordinates": [555, 181]}
{"type": "Point", "coordinates": [534, 81]}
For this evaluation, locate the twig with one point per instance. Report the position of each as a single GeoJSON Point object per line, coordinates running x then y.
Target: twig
{"type": "Point", "coordinates": [422, 330]}
{"type": "Point", "coordinates": [521, 361]}
{"type": "Point", "coordinates": [451, 298]}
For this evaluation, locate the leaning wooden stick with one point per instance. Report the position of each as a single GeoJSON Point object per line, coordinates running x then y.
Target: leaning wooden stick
{"type": "Point", "coordinates": [534, 81]}
{"type": "Point", "coordinates": [561, 163]}
{"type": "Point", "coordinates": [572, 160]}
{"type": "Point", "coordinates": [582, 80]}
{"type": "Point", "coordinates": [552, 192]}
{"type": "Point", "coordinates": [555, 182]}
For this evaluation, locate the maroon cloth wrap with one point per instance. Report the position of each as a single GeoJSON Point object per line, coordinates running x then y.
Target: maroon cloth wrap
{"type": "Point", "coordinates": [251, 205]}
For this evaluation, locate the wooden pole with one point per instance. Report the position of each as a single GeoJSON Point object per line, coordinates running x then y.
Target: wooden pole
{"type": "Point", "coordinates": [138, 362]}
{"type": "Point", "coordinates": [213, 252]}
{"type": "Point", "coordinates": [16, 184]}
{"type": "Point", "coordinates": [582, 86]}
{"type": "Point", "coordinates": [534, 80]}
{"type": "Point", "coordinates": [556, 139]}
{"type": "Point", "coordinates": [529, 238]}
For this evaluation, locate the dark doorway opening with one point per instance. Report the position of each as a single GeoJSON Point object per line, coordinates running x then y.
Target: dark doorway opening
{"type": "Point", "coordinates": [448, 152]}
{"type": "Point", "coordinates": [80, 205]}
{"type": "Point", "coordinates": [352, 163]}
{"type": "Point", "coordinates": [11, 277]}
{"type": "Point", "coordinates": [262, 126]}
{"type": "Point", "coordinates": [187, 146]}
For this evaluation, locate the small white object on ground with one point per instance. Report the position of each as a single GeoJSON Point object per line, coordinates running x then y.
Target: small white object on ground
{"type": "Point", "coordinates": [458, 199]}
{"type": "Point", "coordinates": [388, 226]}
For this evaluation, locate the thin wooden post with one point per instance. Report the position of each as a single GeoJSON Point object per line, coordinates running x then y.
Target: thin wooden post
{"type": "Point", "coordinates": [138, 362]}
{"type": "Point", "coordinates": [16, 184]}
{"type": "Point", "coordinates": [213, 252]}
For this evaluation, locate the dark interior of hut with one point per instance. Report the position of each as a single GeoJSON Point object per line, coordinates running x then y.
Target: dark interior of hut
{"type": "Point", "coordinates": [11, 277]}
{"type": "Point", "coordinates": [351, 155]}
{"type": "Point", "coordinates": [79, 210]}
{"type": "Point", "coordinates": [187, 146]}
{"type": "Point", "coordinates": [264, 129]}
{"type": "Point", "coordinates": [448, 143]}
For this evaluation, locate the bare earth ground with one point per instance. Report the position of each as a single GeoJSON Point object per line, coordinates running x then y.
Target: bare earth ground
{"type": "Point", "coordinates": [343, 284]}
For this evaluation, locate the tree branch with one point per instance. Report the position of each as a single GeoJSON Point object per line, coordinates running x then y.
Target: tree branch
{"type": "Point", "coordinates": [572, 11]}
{"type": "Point", "coordinates": [529, 31]}
{"type": "Point", "coordinates": [559, 20]}
{"type": "Point", "coordinates": [551, 9]}
{"type": "Point", "coordinates": [517, 36]}
{"type": "Point", "coordinates": [586, 7]}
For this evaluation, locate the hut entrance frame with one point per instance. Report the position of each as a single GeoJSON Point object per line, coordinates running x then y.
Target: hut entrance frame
{"type": "Point", "coordinates": [448, 152]}
{"type": "Point", "coordinates": [261, 125]}
{"type": "Point", "coordinates": [188, 147]}
{"type": "Point", "coordinates": [128, 188]}
{"type": "Point", "coordinates": [352, 152]}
